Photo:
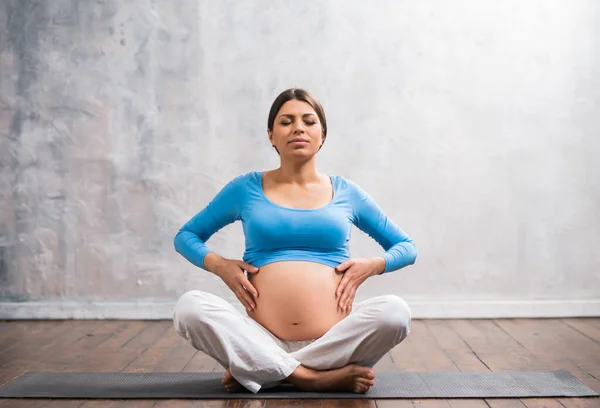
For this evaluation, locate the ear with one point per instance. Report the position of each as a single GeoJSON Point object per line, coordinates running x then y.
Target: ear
{"type": "Point", "coordinates": [270, 136]}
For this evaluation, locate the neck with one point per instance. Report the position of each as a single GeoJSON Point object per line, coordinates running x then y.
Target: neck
{"type": "Point", "coordinates": [298, 172]}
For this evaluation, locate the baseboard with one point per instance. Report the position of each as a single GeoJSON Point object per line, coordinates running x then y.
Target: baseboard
{"type": "Point", "coordinates": [498, 309]}
{"type": "Point", "coordinates": [421, 309]}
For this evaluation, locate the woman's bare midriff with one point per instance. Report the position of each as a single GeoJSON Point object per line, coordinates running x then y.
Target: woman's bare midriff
{"type": "Point", "coordinates": [296, 299]}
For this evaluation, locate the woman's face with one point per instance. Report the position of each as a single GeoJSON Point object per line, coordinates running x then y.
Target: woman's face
{"type": "Point", "coordinates": [297, 130]}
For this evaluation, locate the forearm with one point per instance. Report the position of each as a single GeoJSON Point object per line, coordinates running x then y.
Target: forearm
{"type": "Point", "coordinates": [191, 247]}
{"type": "Point", "coordinates": [400, 255]}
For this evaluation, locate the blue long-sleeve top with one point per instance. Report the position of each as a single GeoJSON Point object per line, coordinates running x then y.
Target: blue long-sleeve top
{"type": "Point", "coordinates": [276, 233]}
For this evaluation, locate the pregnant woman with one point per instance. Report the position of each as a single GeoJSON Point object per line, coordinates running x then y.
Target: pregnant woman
{"type": "Point", "coordinates": [296, 280]}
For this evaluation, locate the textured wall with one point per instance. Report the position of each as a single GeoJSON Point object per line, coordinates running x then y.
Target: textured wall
{"type": "Point", "coordinates": [473, 124]}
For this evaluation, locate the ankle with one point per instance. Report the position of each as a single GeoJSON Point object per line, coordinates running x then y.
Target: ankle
{"type": "Point", "coordinates": [302, 375]}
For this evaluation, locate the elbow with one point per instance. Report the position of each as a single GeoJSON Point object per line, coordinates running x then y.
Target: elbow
{"type": "Point", "coordinates": [179, 240]}
{"type": "Point", "coordinates": [411, 252]}
{"type": "Point", "coordinates": [402, 254]}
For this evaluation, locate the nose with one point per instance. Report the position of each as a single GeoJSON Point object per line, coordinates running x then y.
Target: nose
{"type": "Point", "coordinates": [299, 127]}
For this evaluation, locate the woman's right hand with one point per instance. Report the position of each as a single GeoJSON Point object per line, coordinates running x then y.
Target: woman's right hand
{"type": "Point", "coordinates": [231, 271]}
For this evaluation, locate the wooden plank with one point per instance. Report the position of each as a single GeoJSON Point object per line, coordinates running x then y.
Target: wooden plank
{"type": "Point", "coordinates": [202, 362]}
{"type": "Point", "coordinates": [42, 337]}
{"type": "Point", "coordinates": [209, 404]}
{"type": "Point", "coordinates": [504, 403]}
{"type": "Point", "coordinates": [18, 330]}
{"type": "Point", "coordinates": [75, 345]}
{"type": "Point", "coordinates": [394, 403]}
{"type": "Point", "coordinates": [450, 340]}
{"type": "Point", "coordinates": [60, 403]}
{"type": "Point", "coordinates": [501, 352]}
{"type": "Point", "coordinates": [404, 354]}
{"type": "Point", "coordinates": [39, 403]}
{"type": "Point", "coordinates": [420, 351]}
{"type": "Point", "coordinates": [174, 403]}
{"type": "Point", "coordinates": [101, 404]}
{"type": "Point", "coordinates": [177, 358]}
{"type": "Point", "coordinates": [146, 360]}
{"type": "Point", "coordinates": [593, 321]}
{"type": "Point", "coordinates": [312, 403]}
{"type": "Point", "coordinates": [541, 403]}
{"type": "Point", "coordinates": [116, 352]}
{"type": "Point", "coordinates": [39, 357]}
{"type": "Point", "coordinates": [48, 343]}
{"type": "Point", "coordinates": [9, 374]}
{"type": "Point", "coordinates": [467, 403]}
{"type": "Point", "coordinates": [94, 336]}
{"type": "Point", "coordinates": [496, 347]}
{"type": "Point", "coordinates": [171, 353]}
{"type": "Point", "coordinates": [357, 403]}
{"type": "Point", "coordinates": [555, 346]}
{"type": "Point", "coordinates": [584, 326]}
{"type": "Point", "coordinates": [109, 356]}
{"type": "Point", "coordinates": [431, 403]}
{"type": "Point", "coordinates": [33, 333]}
{"type": "Point", "coordinates": [580, 402]}
{"type": "Point", "coordinates": [549, 338]}
{"type": "Point", "coordinates": [276, 402]}
{"type": "Point", "coordinates": [134, 404]}
{"type": "Point", "coordinates": [591, 382]}
{"type": "Point", "coordinates": [106, 333]}
{"type": "Point", "coordinates": [385, 364]}
{"type": "Point", "coordinates": [432, 346]}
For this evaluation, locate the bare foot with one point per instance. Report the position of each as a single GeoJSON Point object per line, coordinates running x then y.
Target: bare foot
{"type": "Point", "coordinates": [231, 383]}
{"type": "Point", "coordinates": [353, 378]}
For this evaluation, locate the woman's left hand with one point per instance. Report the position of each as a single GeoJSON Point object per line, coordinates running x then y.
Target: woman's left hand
{"type": "Point", "coordinates": [356, 272]}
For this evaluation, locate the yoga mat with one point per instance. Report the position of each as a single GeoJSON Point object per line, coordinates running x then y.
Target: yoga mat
{"type": "Point", "coordinates": [207, 385]}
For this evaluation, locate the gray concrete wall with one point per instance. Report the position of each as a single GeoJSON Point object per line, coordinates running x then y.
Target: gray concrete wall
{"type": "Point", "coordinates": [475, 125]}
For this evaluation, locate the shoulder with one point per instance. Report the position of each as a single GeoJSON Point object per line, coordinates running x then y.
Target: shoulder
{"type": "Point", "coordinates": [246, 180]}
{"type": "Point", "coordinates": [242, 183]}
{"type": "Point", "coordinates": [347, 186]}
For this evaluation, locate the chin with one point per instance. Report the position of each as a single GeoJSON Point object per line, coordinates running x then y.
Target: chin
{"type": "Point", "coordinates": [302, 153]}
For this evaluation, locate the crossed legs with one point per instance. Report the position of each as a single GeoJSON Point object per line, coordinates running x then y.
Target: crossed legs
{"type": "Point", "coordinates": [257, 359]}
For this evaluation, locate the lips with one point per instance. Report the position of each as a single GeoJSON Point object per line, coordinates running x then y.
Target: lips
{"type": "Point", "coordinates": [298, 140]}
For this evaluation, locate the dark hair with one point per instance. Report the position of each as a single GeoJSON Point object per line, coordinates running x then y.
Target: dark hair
{"type": "Point", "coordinates": [299, 95]}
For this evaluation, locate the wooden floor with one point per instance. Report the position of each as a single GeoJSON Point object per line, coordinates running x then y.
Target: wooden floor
{"type": "Point", "coordinates": [434, 345]}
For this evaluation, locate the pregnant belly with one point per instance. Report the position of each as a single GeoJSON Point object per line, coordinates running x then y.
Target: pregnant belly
{"type": "Point", "coordinates": [296, 299]}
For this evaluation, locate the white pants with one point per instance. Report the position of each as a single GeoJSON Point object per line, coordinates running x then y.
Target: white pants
{"type": "Point", "coordinates": [258, 359]}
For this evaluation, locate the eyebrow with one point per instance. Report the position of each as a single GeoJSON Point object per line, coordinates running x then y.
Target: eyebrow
{"type": "Point", "coordinates": [289, 115]}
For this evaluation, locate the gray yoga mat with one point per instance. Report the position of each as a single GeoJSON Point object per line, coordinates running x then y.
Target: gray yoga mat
{"type": "Point", "coordinates": [208, 386]}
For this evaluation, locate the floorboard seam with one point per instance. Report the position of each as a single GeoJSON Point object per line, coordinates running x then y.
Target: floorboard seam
{"type": "Point", "coordinates": [146, 349]}
{"type": "Point", "coordinates": [471, 348]}
{"type": "Point", "coordinates": [579, 331]}
{"type": "Point", "coordinates": [509, 335]}
{"type": "Point", "coordinates": [479, 358]}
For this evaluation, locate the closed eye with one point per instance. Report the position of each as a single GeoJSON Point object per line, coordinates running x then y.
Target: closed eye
{"type": "Point", "coordinates": [289, 123]}
{"type": "Point", "coordinates": [288, 119]}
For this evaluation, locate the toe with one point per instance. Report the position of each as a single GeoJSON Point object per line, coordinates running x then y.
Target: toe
{"type": "Point", "coordinates": [361, 389]}
{"type": "Point", "coordinates": [366, 382]}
